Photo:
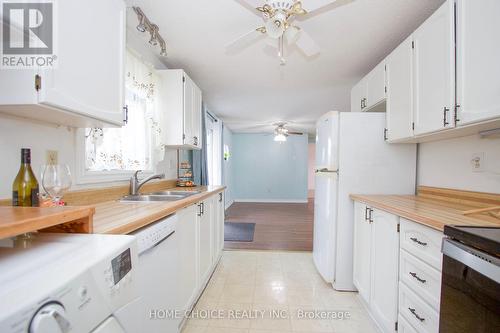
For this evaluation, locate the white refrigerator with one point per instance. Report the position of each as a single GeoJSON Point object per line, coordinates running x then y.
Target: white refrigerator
{"type": "Point", "coordinates": [352, 157]}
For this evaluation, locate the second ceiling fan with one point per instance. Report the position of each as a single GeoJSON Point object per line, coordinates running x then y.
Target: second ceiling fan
{"type": "Point", "coordinates": [279, 16]}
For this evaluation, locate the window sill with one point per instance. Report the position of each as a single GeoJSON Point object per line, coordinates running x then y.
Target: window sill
{"type": "Point", "coordinates": [93, 177]}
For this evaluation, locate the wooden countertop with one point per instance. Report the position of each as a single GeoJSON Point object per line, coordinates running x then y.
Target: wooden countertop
{"type": "Point", "coordinates": [115, 217]}
{"type": "Point", "coordinates": [430, 210]}
{"type": "Point", "coordinates": [19, 220]}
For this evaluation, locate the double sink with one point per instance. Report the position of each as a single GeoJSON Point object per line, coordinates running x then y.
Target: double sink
{"type": "Point", "coordinates": [159, 196]}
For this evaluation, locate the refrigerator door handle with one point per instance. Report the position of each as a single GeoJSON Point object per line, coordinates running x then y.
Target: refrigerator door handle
{"type": "Point", "coordinates": [326, 170]}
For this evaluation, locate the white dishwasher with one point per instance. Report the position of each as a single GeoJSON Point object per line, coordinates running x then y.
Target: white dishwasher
{"type": "Point", "coordinates": [157, 279]}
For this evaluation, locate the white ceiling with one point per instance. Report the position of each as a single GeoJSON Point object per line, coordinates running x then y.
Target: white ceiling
{"type": "Point", "coordinates": [249, 88]}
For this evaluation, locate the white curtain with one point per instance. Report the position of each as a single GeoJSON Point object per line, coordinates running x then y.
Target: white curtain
{"type": "Point", "coordinates": [138, 144]}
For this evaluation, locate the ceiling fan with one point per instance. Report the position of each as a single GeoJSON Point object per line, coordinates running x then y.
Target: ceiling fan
{"type": "Point", "coordinates": [281, 132]}
{"type": "Point", "coordinates": [279, 17]}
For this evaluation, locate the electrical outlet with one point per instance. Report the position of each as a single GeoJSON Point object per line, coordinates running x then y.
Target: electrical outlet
{"type": "Point", "coordinates": [51, 157]}
{"type": "Point", "coordinates": [477, 162]}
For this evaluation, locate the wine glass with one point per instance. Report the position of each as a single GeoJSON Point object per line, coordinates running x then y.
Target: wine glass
{"type": "Point", "coordinates": [56, 180]}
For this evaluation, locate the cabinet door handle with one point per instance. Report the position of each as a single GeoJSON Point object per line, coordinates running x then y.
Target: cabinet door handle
{"type": "Point", "coordinates": [366, 213]}
{"type": "Point", "coordinates": [370, 218]}
{"type": "Point", "coordinates": [456, 113]}
{"type": "Point", "coordinates": [414, 312]}
{"type": "Point", "coordinates": [361, 104]}
{"type": "Point", "coordinates": [385, 134]}
{"type": "Point", "coordinates": [195, 140]}
{"type": "Point", "coordinates": [220, 197]}
{"type": "Point", "coordinates": [417, 277]}
{"type": "Point", "coordinates": [199, 210]}
{"type": "Point", "coordinates": [415, 240]}
{"type": "Point", "coordinates": [202, 208]}
{"type": "Point", "coordinates": [445, 116]}
{"type": "Point", "coordinates": [125, 114]}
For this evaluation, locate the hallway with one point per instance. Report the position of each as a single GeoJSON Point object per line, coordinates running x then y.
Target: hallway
{"type": "Point", "coordinates": [278, 226]}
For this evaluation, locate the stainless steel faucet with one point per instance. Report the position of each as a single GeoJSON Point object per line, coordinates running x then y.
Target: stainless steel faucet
{"type": "Point", "coordinates": [135, 184]}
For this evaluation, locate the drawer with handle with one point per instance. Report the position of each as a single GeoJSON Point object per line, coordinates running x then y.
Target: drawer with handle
{"type": "Point", "coordinates": [404, 326]}
{"type": "Point", "coordinates": [423, 242]}
{"type": "Point", "coordinates": [419, 314]}
{"type": "Point", "coordinates": [421, 278]}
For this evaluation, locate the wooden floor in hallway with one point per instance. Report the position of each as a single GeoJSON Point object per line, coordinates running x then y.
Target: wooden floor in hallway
{"type": "Point", "coordinates": [278, 226]}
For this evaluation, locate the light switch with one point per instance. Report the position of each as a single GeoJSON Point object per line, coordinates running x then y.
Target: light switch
{"type": "Point", "coordinates": [477, 162]}
{"type": "Point", "coordinates": [51, 157]}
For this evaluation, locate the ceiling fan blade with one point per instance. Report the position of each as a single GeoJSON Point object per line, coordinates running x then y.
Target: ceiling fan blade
{"type": "Point", "coordinates": [246, 40]}
{"type": "Point", "coordinates": [252, 5]}
{"type": "Point", "coordinates": [306, 44]}
{"type": "Point", "coordinates": [292, 34]}
{"type": "Point", "coordinates": [316, 7]}
{"type": "Point", "coordinates": [295, 133]}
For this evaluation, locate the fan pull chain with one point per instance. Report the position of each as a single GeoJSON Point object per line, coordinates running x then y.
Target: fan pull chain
{"type": "Point", "coordinates": [281, 52]}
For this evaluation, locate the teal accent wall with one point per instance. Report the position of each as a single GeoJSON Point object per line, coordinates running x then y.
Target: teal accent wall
{"type": "Point", "coordinates": [267, 170]}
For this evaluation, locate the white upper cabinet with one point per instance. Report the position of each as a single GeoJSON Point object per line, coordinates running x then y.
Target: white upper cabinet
{"type": "Point", "coordinates": [358, 96]}
{"type": "Point", "coordinates": [478, 54]}
{"type": "Point", "coordinates": [368, 93]}
{"type": "Point", "coordinates": [434, 69]}
{"type": "Point", "coordinates": [86, 87]}
{"type": "Point", "coordinates": [384, 267]}
{"type": "Point", "coordinates": [399, 93]}
{"type": "Point", "coordinates": [180, 100]}
{"type": "Point", "coordinates": [375, 87]}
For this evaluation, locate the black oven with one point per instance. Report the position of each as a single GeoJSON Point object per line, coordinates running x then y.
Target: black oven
{"type": "Point", "coordinates": [470, 291]}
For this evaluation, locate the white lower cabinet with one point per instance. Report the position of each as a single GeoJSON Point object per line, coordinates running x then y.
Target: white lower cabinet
{"type": "Point", "coordinates": [205, 227]}
{"type": "Point", "coordinates": [201, 238]}
{"type": "Point", "coordinates": [416, 311]}
{"type": "Point", "coordinates": [421, 277]}
{"type": "Point", "coordinates": [362, 251]}
{"type": "Point", "coordinates": [404, 326]}
{"type": "Point", "coordinates": [423, 242]}
{"type": "Point", "coordinates": [384, 266]}
{"type": "Point", "coordinates": [397, 270]}
{"type": "Point", "coordinates": [188, 257]}
{"type": "Point", "coordinates": [376, 256]}
{"type": "Point", "coordinates": [218, 230]}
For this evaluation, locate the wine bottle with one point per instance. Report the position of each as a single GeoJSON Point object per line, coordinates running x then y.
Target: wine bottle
{"type": "Point", "coordinates": [25, 187]}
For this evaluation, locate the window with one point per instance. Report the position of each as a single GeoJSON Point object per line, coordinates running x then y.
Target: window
{"type": "Point", "coordinates": [113, 153]}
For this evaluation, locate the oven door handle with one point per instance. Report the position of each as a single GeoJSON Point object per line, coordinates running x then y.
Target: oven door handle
{"type": "Point", "coordinates": [479, 261]}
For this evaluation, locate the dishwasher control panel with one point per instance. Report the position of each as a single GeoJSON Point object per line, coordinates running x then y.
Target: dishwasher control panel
{"type": "Point", "coordinates": [151, 235]}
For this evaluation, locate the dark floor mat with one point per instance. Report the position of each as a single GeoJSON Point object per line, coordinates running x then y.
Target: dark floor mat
{"type": "Point", "coordinates": [239, 232]}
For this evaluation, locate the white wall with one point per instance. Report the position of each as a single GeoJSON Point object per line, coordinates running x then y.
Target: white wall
{"type": "Point", "coordinates": [448, 164]}
{"type": "Point", "coordinates": [20, 133]}
{"type": "Point", "coordinates": [268, 171]}
{"type": "Point", "coordinates": [311, 164]}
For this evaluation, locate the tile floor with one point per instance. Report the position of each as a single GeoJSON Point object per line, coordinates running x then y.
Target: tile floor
{"type": "Point", "coordinates": [273, 292]}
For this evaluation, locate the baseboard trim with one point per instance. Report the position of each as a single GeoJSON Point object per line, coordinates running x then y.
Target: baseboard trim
{"type": "Point", "coordinates": [271, 200]}
{"type": "Point", "coordinates": [229, 204]}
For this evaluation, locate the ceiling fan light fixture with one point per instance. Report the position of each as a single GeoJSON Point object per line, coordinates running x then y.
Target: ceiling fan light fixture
{"type": "Point", "coordinates": [275, 28]}
{"type": "Point", "coordinates": [280, 137]}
